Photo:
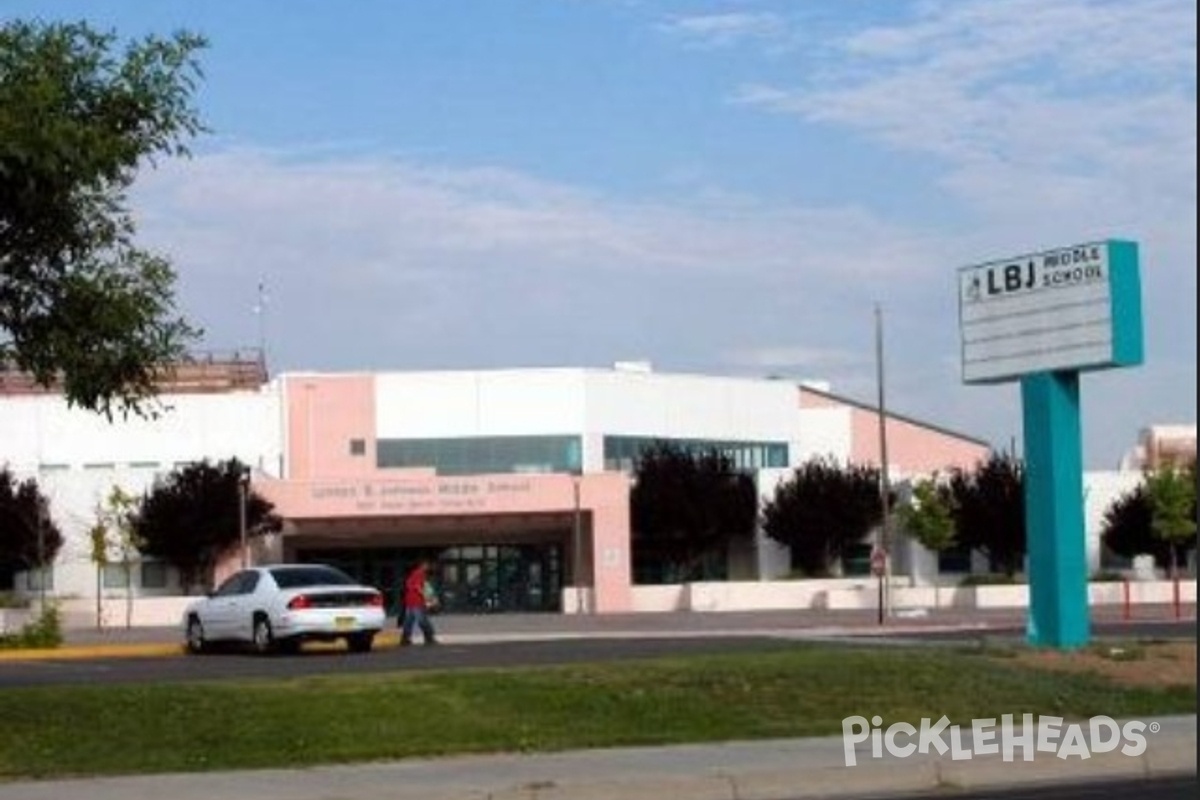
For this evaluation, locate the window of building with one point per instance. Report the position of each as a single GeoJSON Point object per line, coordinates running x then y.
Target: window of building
{"type": "Point", "coordinates": [358, 447]}
{"type": "Point", "coordinates": [38, 579]}
{"type": "Point", "coordinates": [623, 452]}
{"type": "Point", "coordinates": [114, 576]}
{"type": "Point", "coordinates": [482, 454]}
{"type": "Point", "coordinates": [955, 559]}
{"type": "Point", "coordinates": [154, 575]}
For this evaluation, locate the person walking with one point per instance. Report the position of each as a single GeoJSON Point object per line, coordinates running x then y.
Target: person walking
{"type": "Point", "coordinates": [418, 595]}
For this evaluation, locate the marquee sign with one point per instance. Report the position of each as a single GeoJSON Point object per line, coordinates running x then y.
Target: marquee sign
{"type": "Point", "coordinates": [1073, 308]}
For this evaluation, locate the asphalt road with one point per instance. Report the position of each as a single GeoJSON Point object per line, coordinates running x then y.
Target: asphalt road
{"type": "Point", "coordinates": [1180, 788]}
{"type": "Point", "coordinates": [236, 665]}
{"type": "Point", "coordinates": [239, 665]}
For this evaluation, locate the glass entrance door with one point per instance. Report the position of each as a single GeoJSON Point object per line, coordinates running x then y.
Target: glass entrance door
{"type": "Point", "coordinates": [496, 578]}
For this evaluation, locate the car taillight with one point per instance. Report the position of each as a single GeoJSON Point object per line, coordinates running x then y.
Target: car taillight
{"type": "Point", "coordinates": [298, 603]}
{"type": "Point", "coordinates": [376, 600]}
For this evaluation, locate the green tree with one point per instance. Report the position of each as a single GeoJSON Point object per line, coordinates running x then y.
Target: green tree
{"type": "Point", "coordinates": [81, 306]}
{"type": "Point", "coordinates": [191, 518]}
{"type": "Point", "coordinates": [1126, 529]}
{"type": "Point", "coordinates": [114, 540]}
{"type": "Point", "coordinates": [685, 508]}
{"type": "Point", "coordinates": [929, 518]}
{"type": "Point", "coordinates": [989, 510]}
{"type": "Point", "coordinates": [823, 510]}
{"type": "Point", "coordinates": [29, 537]}
{"type": "Point", "coordinates": [1172, 495]}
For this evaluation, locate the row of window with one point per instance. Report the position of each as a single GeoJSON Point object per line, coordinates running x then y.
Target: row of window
{"type": "Point", "coordinates": [95, 465]}
{"type": "Point", "coordinates": [149, 575]}
{"type": "Point", "coordinates": [561, 453]}
{"type": "Point", "coordinates": [622, 452]}
{"type": "Point", "coordinates": [483, 454]}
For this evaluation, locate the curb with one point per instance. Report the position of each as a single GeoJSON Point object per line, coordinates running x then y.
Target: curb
{"type": "Point", "coordinates": [391, 638]}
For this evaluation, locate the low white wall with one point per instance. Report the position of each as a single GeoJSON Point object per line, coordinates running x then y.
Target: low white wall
{"type": "Point", "coordinates": [863, 593]}
{"type": "Point", "coordinates": [671, 597]}
{"type": "Point", "coordinates": [144, 612]}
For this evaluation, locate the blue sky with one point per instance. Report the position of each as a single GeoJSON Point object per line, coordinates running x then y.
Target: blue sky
{"type": "Point", "coordinates": [719, 187]}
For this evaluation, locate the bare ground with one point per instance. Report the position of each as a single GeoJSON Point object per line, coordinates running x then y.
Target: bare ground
{"type": "Point", "coordinates": [1155, 664]}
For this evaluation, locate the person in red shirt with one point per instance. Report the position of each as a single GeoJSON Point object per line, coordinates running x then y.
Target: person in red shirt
{"type": "Point", "coordinates": [416, 605]}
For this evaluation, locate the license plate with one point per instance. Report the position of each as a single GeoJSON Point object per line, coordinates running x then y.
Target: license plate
{"type": "Point", "coordinates": [344, 622]}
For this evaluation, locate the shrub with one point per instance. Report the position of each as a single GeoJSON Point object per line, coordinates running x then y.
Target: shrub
{"type": "Point", "coordinates": [13, 600]}
{"type": "Point", "coordinates": [43, 632]}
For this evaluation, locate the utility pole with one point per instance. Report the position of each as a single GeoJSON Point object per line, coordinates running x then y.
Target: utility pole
{"type": "Point", "coordinates": [884, 542]}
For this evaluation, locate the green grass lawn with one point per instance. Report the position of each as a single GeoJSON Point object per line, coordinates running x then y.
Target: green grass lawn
{"type": "Point", "coordinates": [803, 691]}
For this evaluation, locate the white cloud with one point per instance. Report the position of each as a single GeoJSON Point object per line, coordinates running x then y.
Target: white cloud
{"type": "Point", "coordinates": [793, 359]}
{"type": "Point", "coordinates": [1084, 106]}
{"type": "Point", "coordinates": [724, 30]}
{"type": "Point", "coordinates": [255, 206]}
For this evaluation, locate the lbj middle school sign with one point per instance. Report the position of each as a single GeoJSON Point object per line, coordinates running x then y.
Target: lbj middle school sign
{"type": "Point", "coordinates": [1041, 319]}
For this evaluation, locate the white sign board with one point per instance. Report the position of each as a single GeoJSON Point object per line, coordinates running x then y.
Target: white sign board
{"type": "Point", "coordinates": [1076, 307]}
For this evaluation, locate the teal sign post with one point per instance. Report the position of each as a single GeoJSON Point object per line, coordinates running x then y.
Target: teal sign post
{"type": "Point", "coordinates": [1041, 319]}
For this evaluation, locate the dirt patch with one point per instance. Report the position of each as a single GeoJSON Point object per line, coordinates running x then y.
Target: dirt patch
{"type": "Point", "coordinates": [1132, 664]}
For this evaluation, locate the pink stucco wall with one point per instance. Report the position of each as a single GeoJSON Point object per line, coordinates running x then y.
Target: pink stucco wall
{"type": "Point", "coordinates": [324, 480]}
{"type": "Point", "coordinates": [913, 448]}
{"type": "Point", "coordinates": [324, 414]}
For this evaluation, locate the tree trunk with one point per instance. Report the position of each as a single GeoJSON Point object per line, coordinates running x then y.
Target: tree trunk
{"type": "Point", "coordinates": [99, 597]}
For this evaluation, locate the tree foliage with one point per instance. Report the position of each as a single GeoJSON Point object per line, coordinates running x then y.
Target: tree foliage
{"type": "Point", "coordinates": [821, 511]}
{"type": "Point", "coordinates": [929, 518]}
{"type": "Point", "coordinates": [114, 540]}
{"type": "Point", "coordinates": [80, 304]}
{"type": "Point", "coordinates": [1172, 495]}
{"type": "Point", "coordinates": [989, 510]}
{"type": "Point", "coordinates": [1128, 529]}
{"type": "Point", "coordinates": [686, 507]}
{"type": "Point", "coordinates": [23, 508]}
{"type": "Point", "coordinates": [191, 518]}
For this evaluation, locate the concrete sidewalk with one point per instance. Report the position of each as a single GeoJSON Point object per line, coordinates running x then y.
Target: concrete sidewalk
{"type": "Point", "coordinates": [765, 770]}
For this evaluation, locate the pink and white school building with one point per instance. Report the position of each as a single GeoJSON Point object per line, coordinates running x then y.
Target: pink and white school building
{"type": "Point", "coordinates": [518, 479]}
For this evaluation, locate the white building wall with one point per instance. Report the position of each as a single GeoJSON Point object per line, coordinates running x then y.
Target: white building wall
{"type": "Point", "coordinates": [586, 402]}
{"type": "Point", "coordinates": [43, 431]}
{"type": "Point", "coordinates": [77, 456]}
{"type": "Point", "coordinates": [486, 403]}
{"type": "Point", "coordinates": [825, 433]}
{"type": "Point", "coordinates": [690, 406]}
{"type": "Point", "coordinates": [774, 559]}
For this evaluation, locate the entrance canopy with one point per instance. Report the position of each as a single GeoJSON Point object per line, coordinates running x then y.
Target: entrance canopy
{"type": "Point", "coordinates": [417, 507]}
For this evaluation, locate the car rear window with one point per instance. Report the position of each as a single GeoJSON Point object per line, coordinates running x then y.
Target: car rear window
{"type": "Point", "coordinates": [298, 577]}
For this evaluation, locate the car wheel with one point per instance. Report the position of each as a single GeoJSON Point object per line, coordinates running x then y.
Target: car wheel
{"type": "Point", "coordinates": [195, 636]}
{"type": "Point", "coordinates": [360, 642]}
{"type": "Point", "coordinates": [263, 637]}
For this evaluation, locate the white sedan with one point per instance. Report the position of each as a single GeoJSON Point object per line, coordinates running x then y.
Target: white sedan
{"type": "Point", "coordinates": [280, 606]}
